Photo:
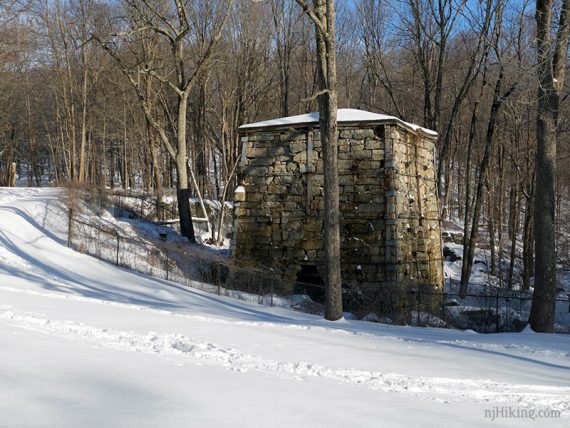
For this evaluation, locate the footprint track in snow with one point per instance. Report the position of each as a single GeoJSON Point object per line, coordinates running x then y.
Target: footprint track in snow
{"type": "Point", "coordinates": [206, 353]}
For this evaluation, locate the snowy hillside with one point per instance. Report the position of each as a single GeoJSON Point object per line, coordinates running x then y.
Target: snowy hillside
{"type": "Point", "coordinates": [86, 344]}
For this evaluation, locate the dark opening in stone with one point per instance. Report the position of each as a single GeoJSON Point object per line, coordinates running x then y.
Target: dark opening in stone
{"type": "Point", "coordinates": [309, 282]}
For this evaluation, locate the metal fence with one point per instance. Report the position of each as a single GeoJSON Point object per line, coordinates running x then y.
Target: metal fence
{"type": "Point", "coordinates": [494, 310]}
{"type": "Point", "coordinates": [193, 266]}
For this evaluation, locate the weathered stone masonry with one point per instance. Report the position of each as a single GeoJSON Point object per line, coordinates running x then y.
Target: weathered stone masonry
{"type": "Point", "coordinates": [390, 230]}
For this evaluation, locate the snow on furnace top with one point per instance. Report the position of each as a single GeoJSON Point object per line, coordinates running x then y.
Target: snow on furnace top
{"type": "Point", "coordinates": [344, 115]}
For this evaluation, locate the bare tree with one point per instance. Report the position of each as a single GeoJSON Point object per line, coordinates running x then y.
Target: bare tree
{"type": "Point", "coordinates": [431, 27]}
{"type": "Point", "coordinates": [498, 100]}
{"type": "Point", "coordinates": [17, 47]}
{"type": "Point", "coordinates": [378, 63]}
{"type": "Point", "coordinates": [285, 19]}
{"type": "Point", "coordinates": [180, 27]}
{"type": "Point", "coordinates": [431, 24]}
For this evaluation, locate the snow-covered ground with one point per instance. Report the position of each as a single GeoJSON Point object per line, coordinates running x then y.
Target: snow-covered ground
{"type": "Point", "coordinates": [83, 343]}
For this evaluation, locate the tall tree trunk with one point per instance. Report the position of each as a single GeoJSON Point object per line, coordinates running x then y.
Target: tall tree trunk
{"type": "Point", "coordinates": [514, 229]}
{"type": "Point", "coordinates": [528, 238]}
{"type": "Point", "coordinates": [323, 16]}
{"type": "Point", "coordinates": [467, 196]}
{"type": "Point", "coordinates": [82, 174]}
{"type": "Point", "coordinates": [491, 226]}
{"type": "Point", "coordinates": [326, 59]}
{"type": "Point", "coordinates": [200, 152]}
{"type": "Point", "coordinates": [500, 213]}
{"type": "Point", "coordinates": [551, 70]}
{"type": "Point", "coordinates": [543, 302]}
{"type": "Point", "coordinates": [182, 191]}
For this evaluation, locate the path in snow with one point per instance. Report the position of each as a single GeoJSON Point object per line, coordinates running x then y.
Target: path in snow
{"type": "Point", "coordinates": [209, 353]}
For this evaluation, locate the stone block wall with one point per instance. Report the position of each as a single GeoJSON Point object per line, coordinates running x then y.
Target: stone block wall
{"type": "Point", "coordinates": [390, 230]}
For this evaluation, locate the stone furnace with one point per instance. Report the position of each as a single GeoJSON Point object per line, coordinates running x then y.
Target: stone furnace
{"type": "Point", "coordinates": [389, 216]}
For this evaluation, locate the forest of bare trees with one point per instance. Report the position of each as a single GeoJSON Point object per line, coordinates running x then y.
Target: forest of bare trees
{"type": "Point", "coordinates": [148, 95]}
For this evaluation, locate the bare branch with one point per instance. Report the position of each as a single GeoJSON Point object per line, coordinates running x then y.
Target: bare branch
{"type": "Point", "coordinates": [311, 14]}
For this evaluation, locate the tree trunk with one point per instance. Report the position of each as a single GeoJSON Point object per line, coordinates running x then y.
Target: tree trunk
{"type": "Point", "coordinates": [543, 302]}
{"type": "Point", "coordinates": [500, 213]}
{"type": "Point", "coordinates": [13, 175]}
{"type": "Point", "coordinates": [467, 196]}
{"type": "Point", "coordinates": [83, 139]}
{"type": "Point", "coordinates": [551, 70]}
{"type": "Point", "coordinates": [327, 100]}
{"type": "Point", "coordinates": [491, 227]}
{"type": "Point", "coordinates": [182, 192]}
{"type": "Point", "coordinates": [528, 240]}
{"type": "Point", "coordinates": [514, 228]}
{"type": "Point", "coordinates": [326, 47]}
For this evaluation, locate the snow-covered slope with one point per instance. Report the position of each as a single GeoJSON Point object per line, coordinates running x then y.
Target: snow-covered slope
{"type": "Point", "coordinates": [83, 343]}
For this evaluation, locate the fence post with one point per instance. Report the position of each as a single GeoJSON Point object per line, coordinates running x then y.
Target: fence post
{"type": "Point", "coordinates": [118, 248]}
{"type": "Point", "coordinates": [497, 313]}
{"type": "Point", "coordinates": [272, 284]}
{"type": "Point", "coordinates": [218, 272]}
{"type": "Point", "coordinates": [69, 224]}
{"type": "Point", "coordinates": [418, 305]}
{"type": "Point", "coordinates": [220, 286]}
{"type": "Point", "coordinates": [167, 264]}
